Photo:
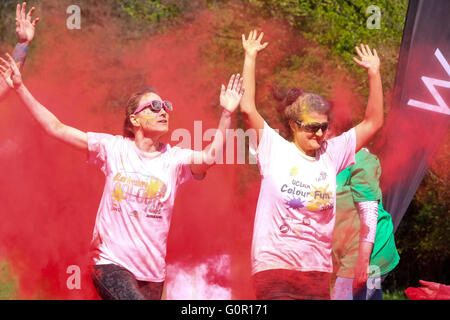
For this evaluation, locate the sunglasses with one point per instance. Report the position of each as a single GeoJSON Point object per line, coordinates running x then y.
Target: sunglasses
{"type": "Point", "coordinates": [156, 106]}
{"type": "Point", "coordinates": [313, 127]}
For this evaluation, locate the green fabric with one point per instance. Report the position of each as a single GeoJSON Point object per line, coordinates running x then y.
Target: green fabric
{"type": "Point", "coordinates": [359, 183]}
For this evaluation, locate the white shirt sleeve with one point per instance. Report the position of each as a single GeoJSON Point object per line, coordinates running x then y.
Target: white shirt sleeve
{"type": "Point", "coordinates": [342, 150]}
{"type": "Point", "coordinates": [99, 146]}
{"type": "Point", "coordinates": [368, 216]}
{"type": "Point", "coordinates": [266, 149]}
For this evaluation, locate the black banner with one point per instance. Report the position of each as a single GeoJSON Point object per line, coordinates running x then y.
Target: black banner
{"type": "Point", "coordinates": [418, 121]}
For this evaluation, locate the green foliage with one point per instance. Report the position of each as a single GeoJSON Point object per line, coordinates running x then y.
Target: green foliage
{"type": "Point", "coordinates": [394, 295]}
{"type": "Point", "coordinates": [311, 64]}
{"type": "Point", "coordinates": [153, 11]}
{"type": "Point", "coordinates": [341, 25]}
{"type": "Point", "coordinates": [7, 19]}
{"type": "Point", "coordinates": [8, 285]}
{"type": "Point", "coordinates": [7, 12]}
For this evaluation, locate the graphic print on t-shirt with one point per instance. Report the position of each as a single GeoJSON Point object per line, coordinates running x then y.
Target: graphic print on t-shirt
{"type": "Point", "coordinates": [295, 194]}
{"type": "Point", "coordinates": [293, 171]}
{"type": "Point", "coordinates": [322, 176]}
{"type": "Point", "coordinates": [144, 191]}
{"type": "Point", "coordinates": [322, 199]}
{"type": "Point", "coordinates": [313, 195]}
{"type": "Point", "coordinates": [301, 194]}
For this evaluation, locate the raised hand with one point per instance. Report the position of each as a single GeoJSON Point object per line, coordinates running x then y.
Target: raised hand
{"type": "Point", "coordinates": [253, 45]}
{"type": "Point", "coordinates": [24, 26]}
{"type": "Point", "coordinates": [369, 60]}
{"type": "Point", "coordinates": [231, 96]}
{"type": "Point", "coordinates": [10, 72]}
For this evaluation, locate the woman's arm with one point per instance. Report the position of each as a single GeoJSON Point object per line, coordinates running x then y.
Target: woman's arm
{"type": "Point", "coordinates": [229, 100]}
{"type": "Point", "coordinates": [366, 193]}
{"type": "Point", "coordinates": [368, 214]}
{"type": "Point", "coordinates": [25, 29]}
{"type": "Point", "coordinates": [11, 74]}
{"type": "Point", "coordinates": [252, 46]}
{"type": "Point", "coordinates": [373, 119]}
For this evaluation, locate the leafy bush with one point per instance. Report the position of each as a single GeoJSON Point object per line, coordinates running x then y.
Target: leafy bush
{"type": "Point", "coordinates": [149, 10]}
{"type": "Point", "coordinates": [8, 284]}
{"type": "Point", "coordinates": [340, 25]}
{"type": "Point", "coordinates": [7, 12]}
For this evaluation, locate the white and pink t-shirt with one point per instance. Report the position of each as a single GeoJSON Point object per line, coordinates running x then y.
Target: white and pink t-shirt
{"type": "Point", "coordinates": [135, 211]}
{"type": "Point", "coordinates": [295, 215]}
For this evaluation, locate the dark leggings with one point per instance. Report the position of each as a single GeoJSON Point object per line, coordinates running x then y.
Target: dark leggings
{"type": "Point", "coordinates": [116, 283]}
{"type": "Point", "coordinates": [281, 284]}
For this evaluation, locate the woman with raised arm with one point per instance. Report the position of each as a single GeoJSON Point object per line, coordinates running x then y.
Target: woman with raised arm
{"type": "Point", "coordinates": [142, 178]}
{"type": "Point", "coordinates": [25, 29]}
{"type": "Point", "coordinates": [292, 237]}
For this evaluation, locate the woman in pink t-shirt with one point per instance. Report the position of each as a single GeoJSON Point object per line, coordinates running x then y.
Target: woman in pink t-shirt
{"type": "Point", "coordinates": [292, 237]}
{"type": "Point", "coordinates": [142, 177]}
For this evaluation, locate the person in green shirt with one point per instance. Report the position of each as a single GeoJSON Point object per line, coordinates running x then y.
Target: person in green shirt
{"type": "Point", "coordinates": [364, 250]}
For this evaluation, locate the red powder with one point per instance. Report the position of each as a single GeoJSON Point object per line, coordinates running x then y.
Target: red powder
{"type": "Point", "coordinates": [411, 135]}
{"type": "Point", "coordinates": [51, 195]}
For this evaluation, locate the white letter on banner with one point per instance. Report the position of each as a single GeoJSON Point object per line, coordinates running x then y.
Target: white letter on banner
{"type": "Point", "coordinates": [431, 83]}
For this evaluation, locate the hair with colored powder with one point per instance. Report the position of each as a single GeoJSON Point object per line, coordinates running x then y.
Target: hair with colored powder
{"type": "Point", "coordinates": [132, 105]}
{"type": "Point", "coordinates": [296, 103]}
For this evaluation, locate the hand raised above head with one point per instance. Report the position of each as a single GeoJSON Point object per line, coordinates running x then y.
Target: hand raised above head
{"type": "Point", "coordinates": [369, 60]}
{"type": "Point", "coordinates": [10, 72]}
{"type": "Point", "coordinates": [25, 28]}
{"type": "Point", "coordinates": [253, 45]}
{"type": "Point", "coordinates": [231, 96]}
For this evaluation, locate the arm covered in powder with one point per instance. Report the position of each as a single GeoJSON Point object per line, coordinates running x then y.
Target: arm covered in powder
{"type": "Point", "coordinates": [252, 118]}
{"type": "Point", "coordinates": [374, 117]}
{"type": "Point", "coordinates": [229, 100]}
{"type": "Point", "coordinates": [48, 121]}
{"type": "Point", "coordinates": [25, 30]}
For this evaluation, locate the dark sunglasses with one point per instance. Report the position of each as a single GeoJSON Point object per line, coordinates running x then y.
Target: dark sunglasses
{"type": "Point", "coordinates": [156, 106]}
{"type": "Point", "coordinates": [314, 126]}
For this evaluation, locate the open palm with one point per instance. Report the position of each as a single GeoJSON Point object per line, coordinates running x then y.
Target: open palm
{"type": "Point", "coordinates": [25, 28]}
{"type": "Point", "coordinates": [231, 96]}
{"type": "Point", "coordinates": [253, 45]}
{"type": "Point", "coordinates": [10, 72]}
{"type": "Point", "coordinates": [369, 60]}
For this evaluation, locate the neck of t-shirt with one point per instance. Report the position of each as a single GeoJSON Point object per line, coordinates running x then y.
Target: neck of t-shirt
{"type": "Point", "coordinates": [150, 154]}
{"type": "Point", "coordinates": [303, 154]}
